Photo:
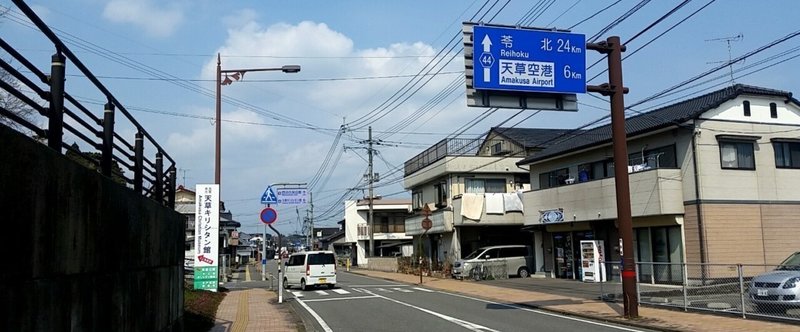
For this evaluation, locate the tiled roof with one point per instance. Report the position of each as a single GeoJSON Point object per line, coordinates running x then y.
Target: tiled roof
{"type": "Point", "coordinates": [529, 137]}
{"type": "Point", "coordinates": [653, 120]}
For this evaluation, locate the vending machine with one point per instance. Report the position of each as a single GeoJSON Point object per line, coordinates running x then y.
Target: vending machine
{"type": "Point", "coordinates": [592, 258]}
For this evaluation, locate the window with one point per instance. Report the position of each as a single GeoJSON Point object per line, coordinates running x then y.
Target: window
{"type": "Point", "coordinates": [441, 195]}
{"type": "Point", "coordinates": [737, 155]}
{"type": "Point", "coordinates": [746, 105]}
{"type": "Point", "coordinates": [497, 148]}
{"type": "Point", "coordinates": [320, 259]}
{"type": "Point", "coordinates": [655, 158]}
{"type": "Point", "coordinates": [480, 186]}
{"type": "Point", "coordinates": [296, 260]}
{"type": "Point", "coordinates": [416, 200]}
{"type": "Point", "coordinates": [787, 153]}
{"type": "Point", "coordinates": [773, 110]}
{"type": "Point", "coordinates": [491, 253]}
{"type": "Point", "coordinates": [595, 171]}
{"type": "Point", "coordinates": [514, 252]}
{"type": "Point", "coordinates": [553, 178]}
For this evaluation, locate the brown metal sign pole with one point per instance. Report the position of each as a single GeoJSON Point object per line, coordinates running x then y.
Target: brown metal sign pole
{"type": "Point", "coordinates": [420, 256]}
{"type": "Point", "coordinates": [616, 91]}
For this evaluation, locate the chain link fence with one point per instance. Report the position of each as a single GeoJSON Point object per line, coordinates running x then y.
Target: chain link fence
{"type": "Point", "coordinates": [739, 289]}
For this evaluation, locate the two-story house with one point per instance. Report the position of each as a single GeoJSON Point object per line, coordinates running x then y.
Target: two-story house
{"type": "Point", "coordinates": [457, 178]}
{"type": "Point", "coordinates": [713, 179]}
{"type": "Point", "coordinates": [390, 235]}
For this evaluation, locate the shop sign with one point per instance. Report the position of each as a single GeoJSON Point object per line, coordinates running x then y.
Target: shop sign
{"type": "Point", "coordinates": [551, 216]}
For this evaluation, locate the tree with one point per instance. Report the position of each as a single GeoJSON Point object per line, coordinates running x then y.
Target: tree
{"type": "Point", "coordinates": [85, 159]}
{"type": "Point", "coordinates": [13, 104]}
{"type": "Point", "coordinates": [8, 101]}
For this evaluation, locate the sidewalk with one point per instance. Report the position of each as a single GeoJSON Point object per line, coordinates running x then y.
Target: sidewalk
{"type": "Point", "coordinates": [254, 309]}
{"type": "Point", "coordinates": [653, 318]}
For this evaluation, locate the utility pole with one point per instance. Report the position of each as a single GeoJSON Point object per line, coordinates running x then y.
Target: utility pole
{"type": "Point", "coordinates": [311, 202]}
{"type": "Point", "coordinates": [371, 218]}
{"type": "Point", "coordinates": [615, 89]}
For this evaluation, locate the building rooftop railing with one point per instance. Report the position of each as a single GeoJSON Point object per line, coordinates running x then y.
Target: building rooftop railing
{"type": "Point", "coordinates": [458, 147]}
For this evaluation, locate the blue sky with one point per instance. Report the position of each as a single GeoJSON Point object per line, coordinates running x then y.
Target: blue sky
{"type": "Point", "coordinates": [378, 42]}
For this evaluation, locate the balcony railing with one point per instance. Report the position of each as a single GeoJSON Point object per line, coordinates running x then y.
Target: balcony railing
{"type": "Point", "coordinates": [456, 147]}
{"type": "Point", "coordinates": [363, 230]}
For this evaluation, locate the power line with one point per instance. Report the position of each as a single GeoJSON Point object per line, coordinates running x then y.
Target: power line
{"type": "Point", "coordinates": [318, 79]}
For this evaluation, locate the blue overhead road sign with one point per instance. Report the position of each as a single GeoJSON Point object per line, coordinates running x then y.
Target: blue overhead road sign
{"type": "Point", "coordinates": [269, 197]}
{"type": "Point", "coordinates": [528, 60]}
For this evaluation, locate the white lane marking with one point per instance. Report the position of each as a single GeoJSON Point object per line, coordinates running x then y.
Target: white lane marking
{"type": "Point", "coordinates": [382, 285]}
{"type": "Point", "coordinates": [403, 290]}
{"type": "Point", "coordinates": [343, 298]}
{"type": "Point", "coordinates": [358, 290]}
{"type": "Point", "coordinates": [465, 324]}
{"type": "Point", "coordinates": [383, 290]}
{"type": "Point", "coordinates": [314, 314]}
{"type": "Point", "coordinates": [341, 291]}
{"type": "Point", "coordinates": [423, 289]}
{"type": "Point", "coordinates": [545, 313]}
{"type": "Point", "coordinates": [321, 292]}
{"type": "Point", "coordinates": [297, 294]}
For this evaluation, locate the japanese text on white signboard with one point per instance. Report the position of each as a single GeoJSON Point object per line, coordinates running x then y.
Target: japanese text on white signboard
{"type": "Point", "coordinates": [206, 237]}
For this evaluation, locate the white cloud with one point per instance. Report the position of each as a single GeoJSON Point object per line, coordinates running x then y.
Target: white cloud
{"type": "Point", "coordinates": [251, 160]}
{"type": "Point", "coordinates": [323, 52]}
{"type": "Point", "coordinates": [158, 21]}
{"type": "Point", "coordinates": [240, 18]}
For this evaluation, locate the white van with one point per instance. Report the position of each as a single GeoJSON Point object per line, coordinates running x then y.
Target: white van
{"type": "Point", "coordinates": [518, 260]}
{"type": "Point", "coordinates": [310, 268]}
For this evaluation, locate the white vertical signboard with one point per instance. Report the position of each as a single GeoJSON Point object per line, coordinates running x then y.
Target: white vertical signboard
{"type": "Point", "coordinates": [206, 237]}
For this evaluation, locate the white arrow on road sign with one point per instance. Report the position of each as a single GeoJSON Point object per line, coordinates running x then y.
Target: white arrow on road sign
{"type": "Point", "coordinates": [269, 197]}
{"type": "Point", "coordinates": [487, 47]}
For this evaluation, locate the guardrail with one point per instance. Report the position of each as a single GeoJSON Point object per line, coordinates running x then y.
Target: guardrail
{"type": "Point", "coordinates": [735, 289]}
{"type": "Point", "coordinates": [41, 98]}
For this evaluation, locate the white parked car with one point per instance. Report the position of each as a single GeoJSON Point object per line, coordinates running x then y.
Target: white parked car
{"type": "Point", "coordinates": [309, 269]}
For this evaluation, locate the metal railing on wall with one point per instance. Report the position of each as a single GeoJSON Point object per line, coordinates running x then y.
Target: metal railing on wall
{"type": "Point", "coordinates": [136, 162]}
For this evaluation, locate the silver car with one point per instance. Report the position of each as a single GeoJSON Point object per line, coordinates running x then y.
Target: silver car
{"type": "Point", "coordinates": [515, 259]}
{"type": "Point", "coordinates": [779, 288]}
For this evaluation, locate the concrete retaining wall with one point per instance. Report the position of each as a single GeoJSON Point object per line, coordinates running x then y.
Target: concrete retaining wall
{"type": "Point", "coordinates": [387, 264]}
{"type": "Point", "coordinates": [83, 253]}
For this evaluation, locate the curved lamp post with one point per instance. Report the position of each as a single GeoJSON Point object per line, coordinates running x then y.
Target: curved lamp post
{"type": "Point", "coordinates": [236, 74]}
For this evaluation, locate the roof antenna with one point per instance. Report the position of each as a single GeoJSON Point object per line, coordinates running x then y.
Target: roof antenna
{"type": "Point", "coordinates": [728, 40]}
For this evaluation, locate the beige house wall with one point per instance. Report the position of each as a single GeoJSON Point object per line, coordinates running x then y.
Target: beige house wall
{"type": "Point", "coordinates": [743, 233]}
{"type": "Point", "coordinates": [766, 182]}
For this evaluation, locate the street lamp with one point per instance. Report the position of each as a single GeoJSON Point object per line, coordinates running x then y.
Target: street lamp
{"type": "Point", "coordinates": [236, 74]}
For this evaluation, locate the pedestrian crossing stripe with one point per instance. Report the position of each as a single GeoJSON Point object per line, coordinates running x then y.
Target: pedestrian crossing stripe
{"type": "Point", "coordinates": [423, 289]}
{"type": "Point", "coordinates": [363, 290]}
